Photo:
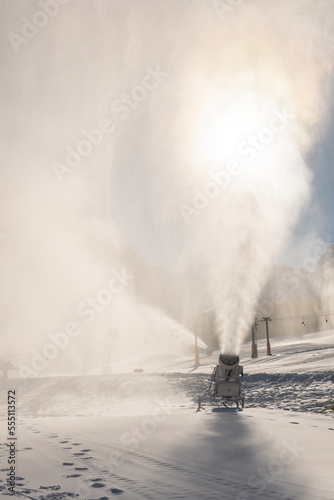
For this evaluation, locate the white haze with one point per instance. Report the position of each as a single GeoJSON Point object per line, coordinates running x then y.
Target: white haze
{"type": "Point", "coordinates": [283, 63]}
{"type": "Point", "coordinates": [224, 79]}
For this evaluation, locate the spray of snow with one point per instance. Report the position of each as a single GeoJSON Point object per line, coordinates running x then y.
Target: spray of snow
{"type": "Point", "coordinates": [261, 106]}
{"type": "Point", "coordinates": [217, 83]}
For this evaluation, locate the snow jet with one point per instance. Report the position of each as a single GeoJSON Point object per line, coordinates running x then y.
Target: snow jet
{"type": "Point", "coordinates": [263, 203]}
{"type": "Point", "coordinates": [224, 135]}
{"type": "Point", "coordinates": [261, 110]}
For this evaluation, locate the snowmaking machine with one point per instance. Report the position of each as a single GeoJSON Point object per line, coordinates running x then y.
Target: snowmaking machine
{"type": "Point", "coordinates": [225, 382]}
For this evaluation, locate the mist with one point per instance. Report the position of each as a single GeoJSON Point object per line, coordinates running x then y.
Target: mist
{"type": "Point", "coordinates": [262, 114]}
{"type": "Point", "coordinates": [128, 141]}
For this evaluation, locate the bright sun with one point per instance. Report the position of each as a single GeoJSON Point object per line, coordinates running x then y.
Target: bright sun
{"type": "Point", "coordinates": [224, 123]}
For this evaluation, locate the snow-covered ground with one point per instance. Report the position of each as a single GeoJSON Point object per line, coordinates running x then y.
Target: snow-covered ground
{"type": "Point", "coordinates": [138, 435]}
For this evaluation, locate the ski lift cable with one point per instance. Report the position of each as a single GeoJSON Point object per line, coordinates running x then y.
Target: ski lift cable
{"type": "Point", "coordinates": [298, 317]}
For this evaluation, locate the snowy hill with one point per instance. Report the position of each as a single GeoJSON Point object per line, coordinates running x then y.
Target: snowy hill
{"type": "Point", "coordinates": [138, 435]}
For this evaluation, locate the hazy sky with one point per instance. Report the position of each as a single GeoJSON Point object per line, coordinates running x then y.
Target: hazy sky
{"type": "Point", "coordinates": [65, 77]}
{"type": "Point", "coordinates": [115, 114]}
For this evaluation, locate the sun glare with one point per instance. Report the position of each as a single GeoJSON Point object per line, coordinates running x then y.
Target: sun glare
{"type": "Point", "coordinates": [224, 123]}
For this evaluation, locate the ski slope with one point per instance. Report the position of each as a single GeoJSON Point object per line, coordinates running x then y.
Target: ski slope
{"type": "Point", "coordinates": [138, 435]}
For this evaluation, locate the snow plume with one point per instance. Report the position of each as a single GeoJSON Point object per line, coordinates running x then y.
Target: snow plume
{"type": "Point", "coordinates": [77, 189]}
{"type": "Point", "coordinates": [261, 104]}
{"type": "Point", "coordinates": [175, 128]}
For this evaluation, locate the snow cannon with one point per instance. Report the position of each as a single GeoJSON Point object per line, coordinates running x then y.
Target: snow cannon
{"type": "Point", "coordinates": [228, 361]}
{"type": "Point", "coordinates": [226, 380]}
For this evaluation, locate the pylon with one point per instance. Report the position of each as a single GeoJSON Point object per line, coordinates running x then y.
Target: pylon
{"type": "Point", "coordinates": [196, 350]}
{"type": "Point", "coordinates": [254, 351]}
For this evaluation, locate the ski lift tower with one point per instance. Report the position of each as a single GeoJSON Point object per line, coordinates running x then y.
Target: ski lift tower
{"type": "Point", "coordinates": [197, 363]}
{"type": "Point", "coordinates": [254, 341]}
{"type": "Point", "coordinates": [267, 319]}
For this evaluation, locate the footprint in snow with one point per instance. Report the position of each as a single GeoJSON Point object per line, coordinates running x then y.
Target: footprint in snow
{"type": "Point", "coordinates": [63, 442]}
{"type": "Point", "coordinates": [68, 463]}
{"type": "Point", "coordinates": [98, 485]}
{"type": "Point", "coordinates": [294, 423]}
{"type": "Point", "coordinates": [116, 491]}
{"type": "Point", "coordinates": [74, 475]}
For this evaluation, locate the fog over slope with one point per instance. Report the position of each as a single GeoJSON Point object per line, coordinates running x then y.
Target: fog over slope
{"type": "Point", "coordinates": [155, 164]}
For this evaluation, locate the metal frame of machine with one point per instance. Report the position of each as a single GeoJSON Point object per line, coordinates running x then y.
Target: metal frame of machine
{"type": "Point", "coordinates": [225, 382]}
